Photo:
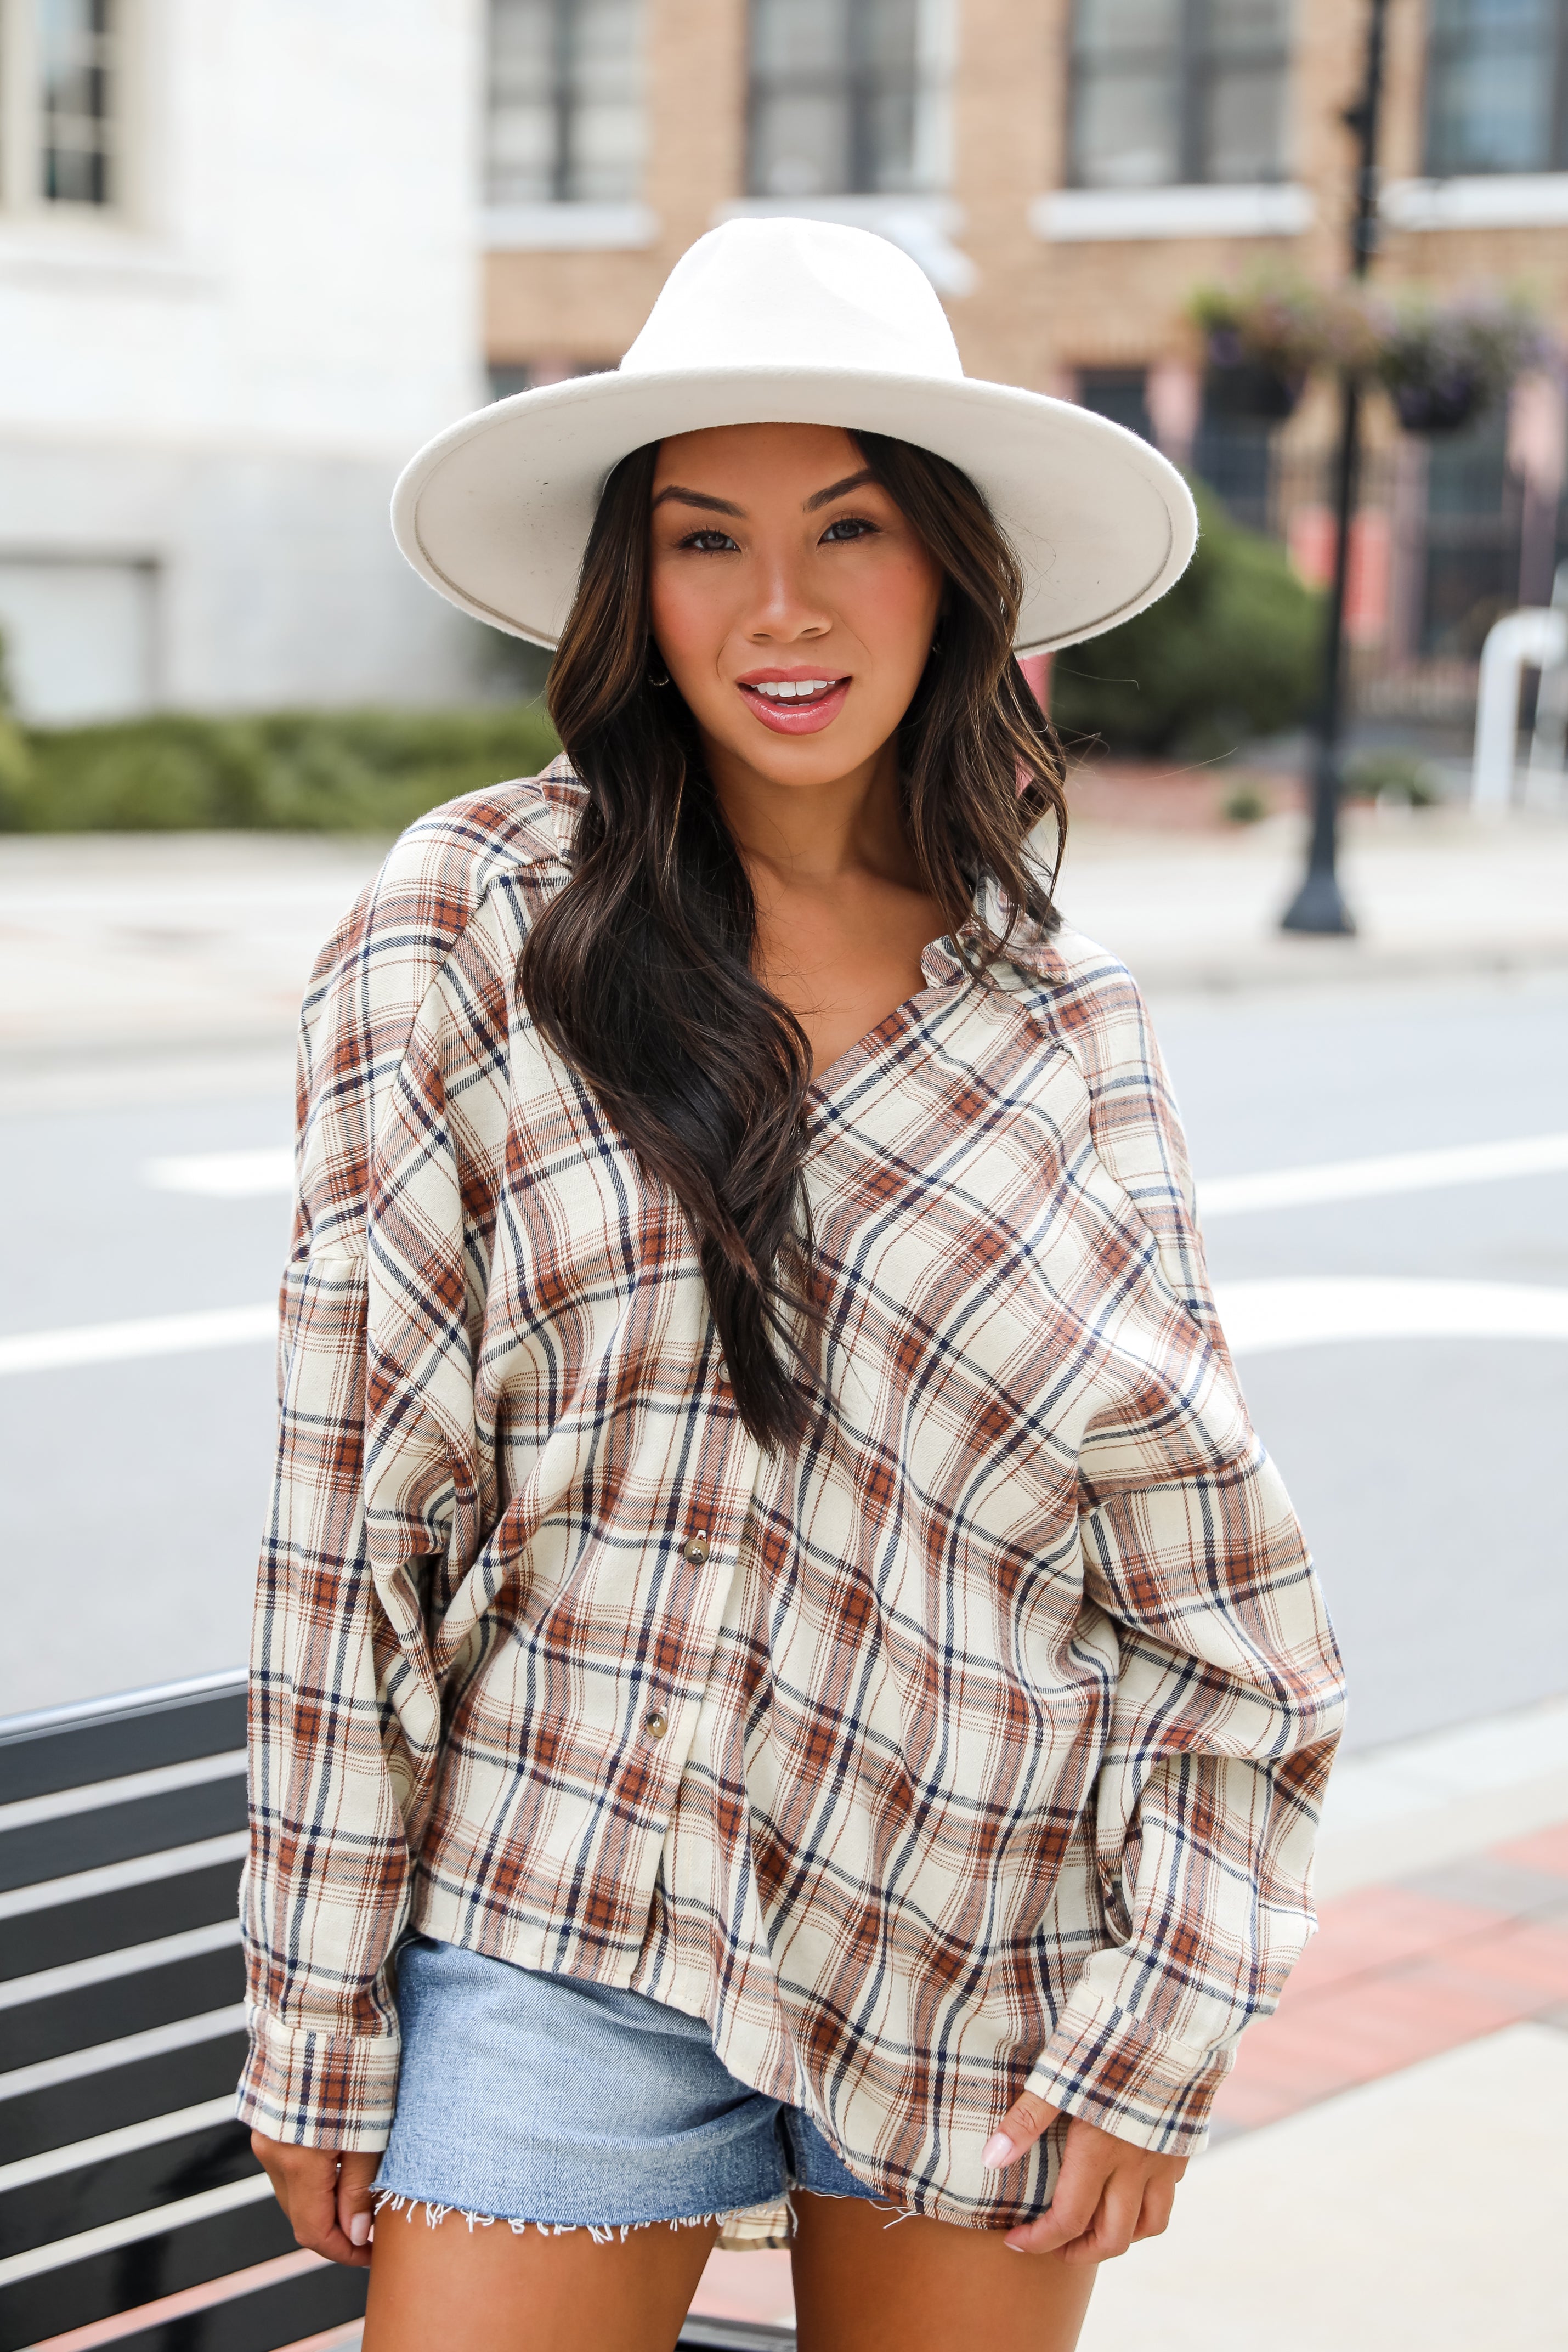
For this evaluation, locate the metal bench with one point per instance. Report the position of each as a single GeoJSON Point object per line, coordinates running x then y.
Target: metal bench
{"type": "Point", "coordinates": [132, 2213]}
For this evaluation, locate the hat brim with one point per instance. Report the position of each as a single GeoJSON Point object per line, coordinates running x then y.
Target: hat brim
{"type": "Point", "coordinates": [496, 512]}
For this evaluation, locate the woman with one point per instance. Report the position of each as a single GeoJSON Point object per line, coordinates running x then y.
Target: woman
{"type": "Point", "coordinates": [781, 1671]}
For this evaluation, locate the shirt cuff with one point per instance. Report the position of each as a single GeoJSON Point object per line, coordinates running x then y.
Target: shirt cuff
{"type": "Point", "coordinates": [319, 2090]}
{"type": "Point", "coordinates": [1107, 2067]}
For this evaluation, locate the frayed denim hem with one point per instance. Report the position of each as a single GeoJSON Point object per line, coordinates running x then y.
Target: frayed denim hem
{"type": "Point", "coordinates": [609, 2234]}
{"type": "Point", "coordinates": [605, 2233]}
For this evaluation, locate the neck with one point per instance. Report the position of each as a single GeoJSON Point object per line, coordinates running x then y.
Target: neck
{"type": "Point", "coordinates": [815, 832]}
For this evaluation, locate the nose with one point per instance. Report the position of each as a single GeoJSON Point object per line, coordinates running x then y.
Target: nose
{"type": "Point", "coordinates": [784, 610]}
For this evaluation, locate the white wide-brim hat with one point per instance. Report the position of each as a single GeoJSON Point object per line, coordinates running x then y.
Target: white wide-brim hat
{"type": "Point", "coordinates": [794, 322]}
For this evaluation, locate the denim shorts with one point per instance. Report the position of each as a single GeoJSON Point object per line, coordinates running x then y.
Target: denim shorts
{"type": "Point", "coordinates": [529, 2097]}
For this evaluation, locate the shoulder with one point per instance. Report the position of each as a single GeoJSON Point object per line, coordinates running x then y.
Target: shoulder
{"type": "Point", "coordinates": [453, 897]}
{"type": "Point", "coordinates": [1089, 1001]}
{"type": "Point", "coordinates": [436, 879]}
{"type": "Point", "coordinates": [440, 872]}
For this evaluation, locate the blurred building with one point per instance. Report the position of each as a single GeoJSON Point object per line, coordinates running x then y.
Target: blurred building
{"type": "Point", "coordinates": [1067, 171]}
{"type": "Point", "coordinates": [253, 253]}
{"type": "Point", "coordinates": [238, 286]}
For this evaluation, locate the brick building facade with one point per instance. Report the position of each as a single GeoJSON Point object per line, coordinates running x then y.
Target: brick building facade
{"type": "Point", "coordinates": [1067, 171]}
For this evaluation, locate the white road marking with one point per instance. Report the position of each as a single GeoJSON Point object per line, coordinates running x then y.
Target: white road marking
{"type": "Point", "coordinates": [236, 1173]}
{"type": "Point", "coordinates": [104, 1968]}
{"type": "Point", "coordinates": [134, 2227]}
{"type": "Point", "coordinates": [1399, 1171]}
{"type": "Point", "coordinates": [124, 2142]}
{"type": "Point", "coordinates": [153, 1335]}
{"type": "Point", "coordinates": [159, 1783]}
{"type": "Point", "coordinates": [224, 1175]}
{"type": "Point", "coordinates": [1314, 1311]}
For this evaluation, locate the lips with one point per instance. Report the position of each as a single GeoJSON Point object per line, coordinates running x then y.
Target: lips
{"type": "Point", "coordinates": [794, 703]}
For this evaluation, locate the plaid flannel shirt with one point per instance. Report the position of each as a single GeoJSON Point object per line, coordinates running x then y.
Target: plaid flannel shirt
{"type": "Point", "coordinates": [974, 1742]}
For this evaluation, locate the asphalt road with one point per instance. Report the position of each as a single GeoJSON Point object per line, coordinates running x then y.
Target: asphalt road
{"type": "Point", "coordinates": [1428, 1471]}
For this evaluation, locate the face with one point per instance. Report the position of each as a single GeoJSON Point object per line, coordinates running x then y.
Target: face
{"type": "Point", "coordinates": [792, 604]}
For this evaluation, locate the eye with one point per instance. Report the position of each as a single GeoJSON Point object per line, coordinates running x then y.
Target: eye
{"type": "Point", "coordinates": [709, 542]}
{"type": "Point", "coordinates": [848, 527]}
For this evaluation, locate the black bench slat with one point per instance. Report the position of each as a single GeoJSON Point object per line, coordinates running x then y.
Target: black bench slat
{"type": "Point", "coordinates": [62, 1932]}
{"type": "Point", "coordinates": [138, 1734]}
{"type": "Point", "coordinates": [113, 1833]}
{"type": "Point", "coordinates": [54, 2301]}
{"type": "Point", "coordinates": [111, 2187]}
{"type": "Point", "coordinates": [131, 2003]}
{"type": "Point", "coordinates": [121, 2094]}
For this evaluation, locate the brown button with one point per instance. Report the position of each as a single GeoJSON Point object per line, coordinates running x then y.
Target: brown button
{"type": "Point", "coordinates": [697, 1551]}
{"type": "Point", "coordinates": [655, 1723]}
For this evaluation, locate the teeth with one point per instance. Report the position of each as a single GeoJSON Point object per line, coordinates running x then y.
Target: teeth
{"type": "Point", "coordinates": [791, 689]}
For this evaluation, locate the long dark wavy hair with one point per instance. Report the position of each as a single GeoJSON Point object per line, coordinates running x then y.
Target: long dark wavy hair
{"type": "Point", "coordinates": [639, 973]}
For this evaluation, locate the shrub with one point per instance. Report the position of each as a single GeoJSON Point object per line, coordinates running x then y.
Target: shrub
{"type": "Point", "coordinates": [1245, 805]}
{"type": "Point", "coordinates": [1230, 652]}
{"type": "Point", "coordinates": [1393, 773]}
{"type": "Point", "coordinates": [316, 772]}
{"type": "Point", "coordinates": [16, 759]}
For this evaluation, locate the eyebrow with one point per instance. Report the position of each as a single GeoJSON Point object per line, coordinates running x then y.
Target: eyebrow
{"type": "Point", "coordinates": [676, 494]}
{"type": "Point", "coordinates": [836, 489]}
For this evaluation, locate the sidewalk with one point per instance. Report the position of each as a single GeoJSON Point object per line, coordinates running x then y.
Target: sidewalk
{"type": "Point", "coordinates": [1433, 893]}
{"type": "Point", "coordinates": [174, 945]}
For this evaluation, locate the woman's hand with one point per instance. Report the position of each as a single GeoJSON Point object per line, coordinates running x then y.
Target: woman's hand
{"type": "Point", "coordinates": [326, 2196]}
{"type": "Point", "coordinates": [1108, 2192]}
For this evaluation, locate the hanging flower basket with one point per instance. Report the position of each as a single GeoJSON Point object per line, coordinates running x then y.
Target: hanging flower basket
{"type": "Point", "coordinates": [1442, 368]}
{"type": "Point", "coordinates": [1261, 345]}
{"type": "Point", "coordinates": [1239, 385]}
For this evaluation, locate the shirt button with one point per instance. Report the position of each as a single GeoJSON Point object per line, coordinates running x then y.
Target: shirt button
{"type": "Point", "coordinates": [696, 1550]}
{"type": "Point", "coordinates": [655, 1723]}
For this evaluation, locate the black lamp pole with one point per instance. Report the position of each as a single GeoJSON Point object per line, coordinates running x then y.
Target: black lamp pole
{"type": "Point", "coordinates": [1319, 904]}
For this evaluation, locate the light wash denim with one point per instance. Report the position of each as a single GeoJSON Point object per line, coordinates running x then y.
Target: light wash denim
{"type": "Point", "coordinates": [529, 2097]}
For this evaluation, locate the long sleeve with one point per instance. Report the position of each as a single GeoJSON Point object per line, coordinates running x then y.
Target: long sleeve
{"type": "Point", "coordinates": [1226, 1715]}
{"type": "Point", "coordinates": [1229, 1695]}
{"type": "Point", "coordinates": [377, 1502]}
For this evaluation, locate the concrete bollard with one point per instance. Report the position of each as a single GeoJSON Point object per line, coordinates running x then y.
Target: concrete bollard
{"type": "Point", "coordinates": [1535, 638]}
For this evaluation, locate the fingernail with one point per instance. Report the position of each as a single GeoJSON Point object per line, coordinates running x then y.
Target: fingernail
{"type": "Point", "coordinates": [1015, 2245]}
{"type": "Point", "coordinates": [998, 2150]}
{"type": "Point", "coordinates": [359, 2229]}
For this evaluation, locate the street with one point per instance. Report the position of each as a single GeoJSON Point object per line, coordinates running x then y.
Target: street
{"type": "Point", "coordinates": [1424, 1468]}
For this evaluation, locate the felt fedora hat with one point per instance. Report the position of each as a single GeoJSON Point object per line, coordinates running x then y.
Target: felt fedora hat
{"type": "Point", "coordinates": [798, 323]}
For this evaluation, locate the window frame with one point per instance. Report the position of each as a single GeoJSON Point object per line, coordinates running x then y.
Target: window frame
{"type": "Point", "coordinates": [928, 89]}
{"type": "Point", "coordinates": [1197, 60]}
{"type": "Point", "coordinates": [1442, 45]}
{"type": "Point", "coordinates": [564, 105]}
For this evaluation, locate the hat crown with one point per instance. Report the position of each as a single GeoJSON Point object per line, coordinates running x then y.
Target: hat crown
{"type": "Point", "coordinates": [796, 294]}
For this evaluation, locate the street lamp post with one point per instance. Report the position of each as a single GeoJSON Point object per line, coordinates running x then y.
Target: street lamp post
{"type": "Point", "coordinates": [1319, 904]}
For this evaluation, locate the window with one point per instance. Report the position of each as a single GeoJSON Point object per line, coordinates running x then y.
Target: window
{"type": "Point", "coordinates": [1120, 393]}
{"type": "Point", "coordinates": [565, 102]}
{"type": "Point", "coordinates": [60, 105]}
{"type": "Point", "coordinates": [1495, 86]}
{"type": "Point", "coordinates": [1474, 512]}
{"type": "Point", "coordinates": [846, 98]}
{"type": "Point", "coordinates": [77, 68]}
{"type": "Point", "coordinates": [1176, 92]}
{"type": "Point", "coordinates": [80, 636]}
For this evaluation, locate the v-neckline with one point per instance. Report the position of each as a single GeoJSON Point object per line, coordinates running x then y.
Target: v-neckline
{"type": "Point", "coordinates": [873, 1041]}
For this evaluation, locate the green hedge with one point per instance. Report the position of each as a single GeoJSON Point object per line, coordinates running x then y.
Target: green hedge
{"type": "Point", "coordinates": [1232, 652]}
{"type": "Point", "coordinates": [315, 771]}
